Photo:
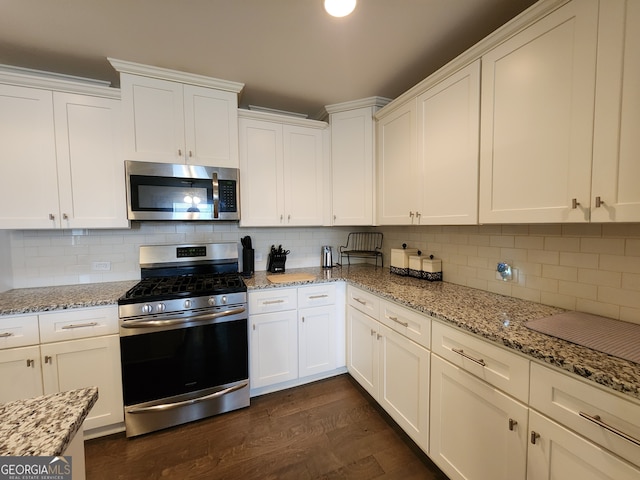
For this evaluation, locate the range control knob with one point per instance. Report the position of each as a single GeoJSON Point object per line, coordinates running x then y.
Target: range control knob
{"type": "Point", "coordinates": [146, 308]}
{"type": "Point", "coordinates": [223, 300]}
{"type": "Point", "coordinates": [161, 307]}
{"type": "Point", "coordinates": [187, 304]}
{"type": "Point", "coordinates": [212, 301]}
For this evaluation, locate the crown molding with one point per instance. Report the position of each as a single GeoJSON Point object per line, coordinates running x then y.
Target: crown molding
{"type": "Point", "coordinates": [280, 118]}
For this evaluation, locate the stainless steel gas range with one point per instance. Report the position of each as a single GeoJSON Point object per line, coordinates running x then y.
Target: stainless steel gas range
{"type": "Point", "coordinates": [183, 337]}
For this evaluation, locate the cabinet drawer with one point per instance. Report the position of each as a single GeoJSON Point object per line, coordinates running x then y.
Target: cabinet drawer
{"type": "Point", "coordinates": [407, 322]}
{"type": "Point", "coordinates": [317, 295]}
{"type": "Point", "coordinates": [364, 301]}
{"type": "Point", "coordinates": [505, 370]}
{"type": "Point", "coordinates": [81, 323]}
{"type": "Point", "coordinates": [273, 300]}
{"type": "Point", "coordinates": [19, 331]}
{"type": "Point", "coordinates": [564, 399]}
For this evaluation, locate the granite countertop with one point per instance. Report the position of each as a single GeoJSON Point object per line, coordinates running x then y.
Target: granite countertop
{"type": "Point", "coordinates": [497, 318]}
{"type": "Point", "coordinates": [44, 425]}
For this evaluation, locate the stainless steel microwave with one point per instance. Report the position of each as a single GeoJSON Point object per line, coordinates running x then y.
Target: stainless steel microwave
{"type": "Point", "coordinates": [166, 191]}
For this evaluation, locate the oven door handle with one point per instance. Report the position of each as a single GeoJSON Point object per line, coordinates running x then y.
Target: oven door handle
{"type": "Point", "coordinates": [179, 321]}
{"type": "Point", "coordinates": [183, 403]}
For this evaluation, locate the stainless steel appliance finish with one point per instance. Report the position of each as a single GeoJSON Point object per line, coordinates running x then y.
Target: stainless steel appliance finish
{"type": "Point", "coordinates": [164, 191]}
{"type": "Point", "coordinates": [183, 337]}
{"type": "Point", "coordinates": [326, 256]}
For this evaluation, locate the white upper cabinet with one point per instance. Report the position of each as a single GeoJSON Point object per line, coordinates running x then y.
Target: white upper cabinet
{"type": "Point", "coordinates": [352, 160]}
{"type": "Point", "coordinates": [428, 154]}
{"type": "Point", "coordinates": [63, 166]}
{"type": "Point", "coordinates": [175, 117]}
{"type": "Point", "coordinates": [537, 115]}
{"type": "Point", "coordinates": [615, 195]}
{"type": "Point", "coordinates": [282, 163]}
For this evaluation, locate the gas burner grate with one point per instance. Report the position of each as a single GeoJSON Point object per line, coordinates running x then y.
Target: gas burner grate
{"type": "Point", "coordinates": [200, 284]}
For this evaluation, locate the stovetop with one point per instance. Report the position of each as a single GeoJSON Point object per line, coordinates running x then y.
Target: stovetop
{"type": "Point", "coordinates": [181, 286]}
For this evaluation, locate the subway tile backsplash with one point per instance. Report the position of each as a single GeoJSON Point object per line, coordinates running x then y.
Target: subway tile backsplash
{"type": "Point", "coordinates": [593, 268]}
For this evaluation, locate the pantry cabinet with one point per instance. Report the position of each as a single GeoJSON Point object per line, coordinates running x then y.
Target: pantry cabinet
{"type": "Point", "coordinates": [173, 122]}
{"type": "Point", "coordinates": [615, 196]}
{"type": "Point", "coordinates": [283, 166]}
{"type": "Point", "coordinates": [63, 166]}
{"type": "Point", "coordinates": [538, 91]}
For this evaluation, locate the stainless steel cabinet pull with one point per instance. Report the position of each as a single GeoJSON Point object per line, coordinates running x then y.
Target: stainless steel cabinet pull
{"type": "Point", "coordinates": [459, 351]}
{"type": "Point", "coordinates": [512, 424]}
{"type": "Point", "coordinates": [79, 325]}
{"type": "Point", "coordinates": [254, 326]}
{"type": "Point", "coordinates": [534, 437]}
{"type": "Point", "coordinates": [289, 218]}
{"type": "Point", "coordinates": [170, 406]}
{"type": "Point", "coordinates": [395, 319]}
{"type": "Point", "coordinates": [65, 216]}
{"type": "Point", "coordinates": [574, 203]}
{"type": "Point", "coordinates": [411, 214]}
{"type": "Point", "coordinates": [48, 359]}
{"type": "Point", "coordinates": [318, 296]}
{"type": "Point", "coordinates": [361, 302]}
{"type": "Point", "coordinates": [378, 336]}
{"type": "Point", "coordinates": [596, 419]}
{"type": "Point", "coordinates": [190, 153]}
{"type": "Point", "coordinates": [271, 302]}
{"type": "Point", "coordinates": [281, 217]}
{"type": "Point", "coordinates": [30, 362]}
{"type": "Point", "coordinates": [302, 319]}
{"type": "Point", "coordinates": [6, 334]}
{"type": "Point", "coordinates": [599, 202]}
{"type": "Point", "coordinates": [179, 152]}
{"type": "Point", "coordinates": [373, 332]}
{"type": "Point", "coordinates": [52, 216]}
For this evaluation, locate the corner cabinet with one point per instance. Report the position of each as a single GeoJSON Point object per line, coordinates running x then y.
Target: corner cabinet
{"type": "Point", "coordinates": [68, 148]}
{"type": "Point", "coordinates": [428, 154]}
{"type": "Point", "coordinates": [282, 160]}
{"type": "Point", "coordinates": [538, 91]}
{"type": "Point", "coordinates": [176, 117]}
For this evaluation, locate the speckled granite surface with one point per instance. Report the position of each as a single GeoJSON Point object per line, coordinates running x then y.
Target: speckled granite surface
{"type": "Point", "coordinates": [44, 425]}
{"type": "Point", "coordinates": [484, 314]}
{"type": "Point", "coordinates": [42, 299]}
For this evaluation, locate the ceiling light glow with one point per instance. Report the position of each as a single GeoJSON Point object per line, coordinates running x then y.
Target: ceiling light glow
{"type": "Point", "coordinates": [339, 8]}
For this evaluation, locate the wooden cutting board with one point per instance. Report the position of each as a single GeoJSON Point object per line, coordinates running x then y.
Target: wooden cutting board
{"type": "Point", "coordinates": [291, 277]}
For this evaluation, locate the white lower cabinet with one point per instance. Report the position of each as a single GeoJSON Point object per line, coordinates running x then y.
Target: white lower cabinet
{"type": "Point", "coordinates": [391, 367]}
{"type": "Point", "coordinates": [477, 431]}
{"type": "Point", "coordinates": [559, 453]}
{"type": "Point", "coordinates": [20, 373]}
{"type": "Point", "coordinates": [296, 335]}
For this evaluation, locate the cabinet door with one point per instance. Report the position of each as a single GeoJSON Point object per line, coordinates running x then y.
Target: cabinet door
{"type": "Point", "coordinates": [211, 127]}
{"type": "Point", "coordinates": [352, 166]}
{"type": "Point", "coordinates": [28, 187]}
{"type": "Point", "coordinates": [448, 149]}
{"type": "Point", "coordinates": [261, 181]}
{"type": "Point", "coordinates": [404, 384]}
{"type": "Point", "coordinates": [560, 453]}
{"type": "Point", "coordinates": [537, 120]}
{"type": "Point", "coordinates": [274, 348]}
{"type": "Point", "coordinates": [303, 175]}
{"type": "Point", "coordinates": [316, 340]}
{"type": "Point", "coordinates": [473, 434]}
{"type": "Point", "coordinates": [85, 363]}
{"type": "Point", "coordinates": [398, 175]}
{"type": "Point", "coordinates": [20, 375]}
{"type": "Point", "coordinates": [615, 195]}
{"type": "Point", "coordinates": [90, 164]}
{"type": "Point", "coordinates": [362, 350]}
{"type": "Point", "coordinates": [153, 119]}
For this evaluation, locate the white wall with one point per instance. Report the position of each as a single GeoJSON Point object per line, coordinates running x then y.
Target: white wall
{"type": "Point", "coordinates": [65, 257]}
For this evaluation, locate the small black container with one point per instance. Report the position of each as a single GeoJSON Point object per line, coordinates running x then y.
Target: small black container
{"type": "Point", "coordinates": [276, 261]}
{"type": "Point", "coordinates": [248, 262]}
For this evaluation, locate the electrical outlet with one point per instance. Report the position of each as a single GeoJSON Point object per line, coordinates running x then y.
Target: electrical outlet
{"type": "Point", "coordinates": [101, 266]}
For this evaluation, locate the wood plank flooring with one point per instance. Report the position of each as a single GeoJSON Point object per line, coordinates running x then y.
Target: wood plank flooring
{"type": "Point", "coordinates": [330, 429]}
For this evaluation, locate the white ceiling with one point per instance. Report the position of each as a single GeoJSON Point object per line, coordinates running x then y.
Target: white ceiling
{"type": "Point", "coordinates": [289, 54]}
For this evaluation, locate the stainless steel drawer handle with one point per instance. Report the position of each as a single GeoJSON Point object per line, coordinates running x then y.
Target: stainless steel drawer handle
{"type": "Point", "coordinates": [459, 351]}
{"type": "Point", "coordinates": [170, 406]}
{"type": "Point", "coordinates": [318, 296]}
{"type": "Point", "coordinates": [6, 334]}
{"type": "Point", "coordinates": [271, 302]}
{"type": "Point", "coordinates": [395, 319]}
{"type": "Point", "coordinates": [512, 424]}
{"type": "Point", "coordinates": [596, 419]}
{"type": "Point", "coordinates": [361, 302]}
{"type": "Point", "coordinates": [79, 325]}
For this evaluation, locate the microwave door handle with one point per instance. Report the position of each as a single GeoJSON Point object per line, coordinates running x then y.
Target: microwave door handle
{"type": "Point", "coordinates": [216, 195]}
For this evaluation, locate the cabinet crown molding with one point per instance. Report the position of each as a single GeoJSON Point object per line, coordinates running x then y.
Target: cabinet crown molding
{"type": "Point", "coordinates": [123, 66]}
{"type": "Point", "coordinates": [279, 118]}
{"type": "Point", "coordinates": [374, 101]}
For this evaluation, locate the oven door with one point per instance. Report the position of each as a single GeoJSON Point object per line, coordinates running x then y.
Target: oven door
{"type": "Point", "coordinates": [179, 375]}
{"type": "Point", "coordinates": [162, 191]}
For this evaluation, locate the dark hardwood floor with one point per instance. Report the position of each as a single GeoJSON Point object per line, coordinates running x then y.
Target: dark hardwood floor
{"type": "Point", "coordinates": [329, 429]}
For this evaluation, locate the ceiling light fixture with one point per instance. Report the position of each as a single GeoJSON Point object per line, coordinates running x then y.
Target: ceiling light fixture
{"type": "Point", "coordinates": [339, 8]}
